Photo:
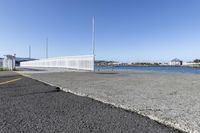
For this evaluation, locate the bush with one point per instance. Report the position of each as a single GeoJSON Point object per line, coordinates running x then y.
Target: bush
{"type": "Point", "coordinates": [2, 69]}
{"type": "Point", "coordinates": [197, 60]}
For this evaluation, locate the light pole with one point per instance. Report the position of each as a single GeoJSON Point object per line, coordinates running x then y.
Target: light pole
{"type": "Point", "coordinates": [29, 51]}
{"type": "Point", "coordinates": [47, 48]}
{"type": "Point", "coordinates": [93, 35]}
{"type": "Point", "coordinates": [93, 41]}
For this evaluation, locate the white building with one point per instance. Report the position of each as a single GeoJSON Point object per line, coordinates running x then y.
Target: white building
{"type": "Point", "coordinates": [191, 64]}
{"type": "Point", "coordinates": [1, 62]}
{"type": "Point", "coordinates": [176, 62]}
{"type": "Point", "coordinates": [9, 62]}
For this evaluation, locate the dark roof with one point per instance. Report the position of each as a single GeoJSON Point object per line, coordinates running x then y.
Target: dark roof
{"type": "Point", "coordinates": [23, 59]}
{"type": "Point", "coordinates": [9, 56]}
{"type": "Point", "coordinates": [176, 60]}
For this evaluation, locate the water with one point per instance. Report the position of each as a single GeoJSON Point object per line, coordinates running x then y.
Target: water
{"type": "Point", "coordinates": [185, 70]}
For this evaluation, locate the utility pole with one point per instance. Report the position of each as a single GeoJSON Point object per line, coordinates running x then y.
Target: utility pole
{"type": "Point", "coordinates": [29, 51]}
{"type": "Point", "coordinates": [47, 48]}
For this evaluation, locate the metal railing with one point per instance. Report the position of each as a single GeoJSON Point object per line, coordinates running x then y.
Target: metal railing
{"type": "Point", "coordinates": [85, 62]}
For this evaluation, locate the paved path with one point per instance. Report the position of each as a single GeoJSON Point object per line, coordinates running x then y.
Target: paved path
{"type": "Point", "coordinates": [172, 99]}
{"type": "Point", "coordinates": [34, 107]}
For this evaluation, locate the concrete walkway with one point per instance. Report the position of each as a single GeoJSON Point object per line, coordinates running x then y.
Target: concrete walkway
{"type": "Point", "coordinates": [172, 99]}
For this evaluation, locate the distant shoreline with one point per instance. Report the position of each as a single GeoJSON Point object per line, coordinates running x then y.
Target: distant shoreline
{"type": "Point", "coordinates": [159, 69]}
{"type": "Point", "coordinates": [145, 66]}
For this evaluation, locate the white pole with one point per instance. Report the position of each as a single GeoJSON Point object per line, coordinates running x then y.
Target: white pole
{"type": "Point", "coordinates": [93, 35]}
{"type": "Point", "coordinates": [93, 40]}
{"type": "Point", "coordinates": [29, 51]}
{"type": "Point", "coordinates": [47, 48]}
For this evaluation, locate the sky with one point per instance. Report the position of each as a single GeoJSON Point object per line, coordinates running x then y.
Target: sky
{"type": "Point", "coordinates": [126, 30]}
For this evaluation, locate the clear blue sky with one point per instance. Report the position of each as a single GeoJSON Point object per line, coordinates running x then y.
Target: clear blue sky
{"type": "Point", "coordinates": [126, 30]}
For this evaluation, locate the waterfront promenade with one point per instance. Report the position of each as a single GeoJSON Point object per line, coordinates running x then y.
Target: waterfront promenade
{"type": "Point", "coordinates": [172, 99]}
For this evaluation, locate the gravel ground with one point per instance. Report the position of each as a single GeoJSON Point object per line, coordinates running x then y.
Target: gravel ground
{"type": "Point", "coordinates": [31, 106]}
{"type": "Point", "coordinates": [7, 75]}
{"type": "Point", "coordinates": [172, 99]}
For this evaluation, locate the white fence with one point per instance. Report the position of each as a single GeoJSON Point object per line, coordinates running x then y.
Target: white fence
{"type": "Point", "coordinates": [85, 62]}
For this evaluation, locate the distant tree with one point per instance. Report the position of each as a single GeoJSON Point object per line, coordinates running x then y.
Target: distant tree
{"type": "Point", "coordinates": [197, 60]}
{"type": "Point", "coordinates": [156, 64]}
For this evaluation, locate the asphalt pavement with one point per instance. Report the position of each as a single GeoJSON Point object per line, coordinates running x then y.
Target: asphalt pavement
{"type": "Point", "coordinates": [170, 99]}
{"type": "Point", "coordinates": [27, 105]}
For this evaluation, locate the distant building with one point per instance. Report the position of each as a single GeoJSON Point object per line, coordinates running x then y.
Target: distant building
{"type": "Point", "coordinates": [9, 62]}
{"type": "Point", "coordinates": [106, 63]}
{"type": "Point", "coordinates": [1, 62]}
{"type": "Point", "coordinates": [191, 64]}
{"type": "Point", "coordinates": [176, 62]}
{"type": "Point", "coordinates": [113, 63]}
{"type": "Point", "coordinates": [123, 64]}
{"type": "Point", "coordinates": [164, 64]}
{"type": "Point", "coordinates": [100, 63]}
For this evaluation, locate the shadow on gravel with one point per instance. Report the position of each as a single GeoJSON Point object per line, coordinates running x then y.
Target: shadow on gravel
{"type": "Point", "coordinates": [30, 69]}
{"type": "Point", "coordinates": [35, 93]}
{"type": "Point", "coordinates": [10, 76]}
